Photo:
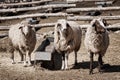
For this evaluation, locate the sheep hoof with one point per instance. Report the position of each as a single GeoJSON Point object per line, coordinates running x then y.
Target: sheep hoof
{"type": "Point", "coordinates": [101, 71]}
{"type": "Point", "coordinates": [20, 62]}
{"type": "Point", "coordinates": [67, 69]}
{"type": "Point", "coordinates": [29, 65]}
{"type": "Point", "coordinates": [25, 65]}
{"type": "Point", "coordinates": [62, 69]}
{"type": "Point", "coordinates": [13, 62]}
{"type": "Point", "coordinates": [90, 73]}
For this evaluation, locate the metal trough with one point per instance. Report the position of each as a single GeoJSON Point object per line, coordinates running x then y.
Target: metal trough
{"type": "Point", "coordinates": [50, 59]}
{"type": "Point", "coordinates": [43, 56]}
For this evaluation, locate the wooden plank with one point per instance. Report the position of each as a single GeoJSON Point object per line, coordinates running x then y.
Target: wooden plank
{"type": "Point", "coordinates": [104, 2]}
{"type": "Point", "coordinates": [73, 10]}
{"type": "Point", "coordinates": [57, 2]}
{"type": "Point", "coordinates": [35, 15]}
{"type": "Point", "coordinates": [75, 1]}
{"type": "Point", "coordinates": [36, 8]}
{"type": "Point", "coordinates": [3, 35]}
{"type": "Point", "coordinates": [4, 28]}
{"type": "Point", "coordinates": [44, 25]}
{"type": "Point", "coordinates": [43, 56]}
{"type": "Point", "coordinates": [24, 3]}
{"type": "Point", "coordinates": [88, 18]}
{"type": "Point", "coordinates": [114, 26]}
{"type": "Point", "coordinates": [110, 27]}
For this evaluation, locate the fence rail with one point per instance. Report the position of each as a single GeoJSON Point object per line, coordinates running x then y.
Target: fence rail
{"type": "Point", "coordinates": [73, 1]}
{"type": "Point", "coordinates": [74, 10]}
{"type": "Point", "coordinates": [36, 8]}
{"type": "Point", "coordinates": [24, 3]}
{"type": "Point", "coordinates": [35, 15]}
{"type": "Point", "coordinates": [89, 18]}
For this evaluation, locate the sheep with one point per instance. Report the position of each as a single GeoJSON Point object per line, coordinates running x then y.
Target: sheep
{"type": "Point", "coordinates": [23, 39]}
{"type": "Point", "coordinates": [67, 38]}
{"type": "Point", "coordinates": [96, 41]}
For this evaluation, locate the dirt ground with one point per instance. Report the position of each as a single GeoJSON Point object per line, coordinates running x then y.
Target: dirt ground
{"type": "Point", "coordinates": [16, 71]}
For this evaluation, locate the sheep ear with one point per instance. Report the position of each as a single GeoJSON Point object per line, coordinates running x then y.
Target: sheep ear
{"type": "Point", "coordinates": [68, 25]}
{"type": "Point", "coordinates": [105, 22]}
{"type": "Point", "coordinates": [20, 27]}
{"type": "Point", "coordinates": [93, 23]}
{"type": "Point", "coordinates": [59, 26]}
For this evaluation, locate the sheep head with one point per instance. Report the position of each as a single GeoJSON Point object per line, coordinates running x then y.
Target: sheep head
{"type": "Point", "coordinates": [63, 28]}
{"type": "Point", "coordinates": [99, 25]}
{"type": "Point", "coordinates": [25, 28]}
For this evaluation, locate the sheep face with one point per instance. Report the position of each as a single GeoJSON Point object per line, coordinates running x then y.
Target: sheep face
{"type": "Point", "coordinates": [98, 25]}
{"type": "Point", "coordinates": [25, 29]}
{"type": "Point", "coordinates": [63, 28]}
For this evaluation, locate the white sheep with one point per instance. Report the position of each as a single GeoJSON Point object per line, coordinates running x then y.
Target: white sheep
{"type": "Point", "coordinates": [96, 41]}
{"type": "Point", "coordinates": [23, 39]}
{"type": "Point", "coordinates": [67, 38]}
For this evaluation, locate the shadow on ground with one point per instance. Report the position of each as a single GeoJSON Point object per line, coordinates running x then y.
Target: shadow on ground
{"type": "Point", "coordinates": [106, 67]}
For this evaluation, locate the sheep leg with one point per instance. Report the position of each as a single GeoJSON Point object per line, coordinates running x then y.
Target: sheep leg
{"type": "Point", "coordinates": [21, 55]}
{"type": "Point", "coordinates": [63, 62]}
{"type": "Point", "coordinates": [100, 63]}
{"type": "Point", "coordinates": [29, 59]}
{"type": "Point", "coordinates": [91, 63]}
{"type": "Point", "coordinates": [75, 58]}
{"type": "Point", "coordinates": [66, 61]}
{"type": "Point", "coordinates": [12, 56]}
{"type": "Point", "coordinates": [25, 60]}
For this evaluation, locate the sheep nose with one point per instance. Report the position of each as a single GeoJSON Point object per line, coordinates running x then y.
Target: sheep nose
{"type": "Point", "coordinates": [64, 30]}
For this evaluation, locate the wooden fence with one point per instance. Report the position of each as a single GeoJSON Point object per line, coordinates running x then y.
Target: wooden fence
{"type": "Point", "coordinates": [67, 14]}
